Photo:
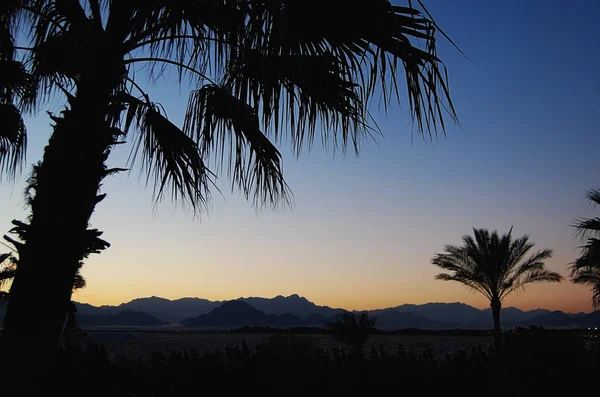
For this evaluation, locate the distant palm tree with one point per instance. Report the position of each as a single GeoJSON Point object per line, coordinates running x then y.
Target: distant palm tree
{"type": "Point", "coordinates": [586, 269]}
{"type": "Point", "coordinates": [353, 330]}
{"type": "Point", "coordinates": [264, 71]}
{"type": "Point", "coordinates": [494, 266]}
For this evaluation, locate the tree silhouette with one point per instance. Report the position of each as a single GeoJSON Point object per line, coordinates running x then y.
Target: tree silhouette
{"type": "Point", "coordinates": [586, 269]}
{"type": "Point", "coordinates": [8, 270]}
{"type": "Point", "coordinates": [494, 266]}
{"type": "Point", "coordinates": [353, 330]}
{"type": "Point", "coordinates": [264, 71]}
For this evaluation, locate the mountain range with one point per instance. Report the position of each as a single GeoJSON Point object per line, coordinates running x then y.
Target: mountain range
{"type": "Point", "coordinates": [295, 310]}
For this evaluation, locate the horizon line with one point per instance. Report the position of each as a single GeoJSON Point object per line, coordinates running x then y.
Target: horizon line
{"type": "Point", "coordinates": [303, 297]}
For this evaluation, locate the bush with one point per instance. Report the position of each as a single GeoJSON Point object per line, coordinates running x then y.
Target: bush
{"type": "Point", "coordinates": [534, 362]}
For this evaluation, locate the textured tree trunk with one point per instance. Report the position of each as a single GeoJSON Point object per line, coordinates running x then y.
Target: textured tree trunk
{"type": "Point", "coordinates": [65, 184]}
{"type": "Point", "coordinates": [496, 306]}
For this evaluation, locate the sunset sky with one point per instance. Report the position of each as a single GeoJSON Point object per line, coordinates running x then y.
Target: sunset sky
{"type": "Point", "coordinates": [363, 229]}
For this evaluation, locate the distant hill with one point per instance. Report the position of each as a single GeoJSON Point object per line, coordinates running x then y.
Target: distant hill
{"type": "Point", "coordinates": [559, 319]}
{"type": "Point", "coordinates": [590, 320]}
{"type": "Point", "coordinates": [124, 318]}
{"type": "Point", "coordinates": [238, 313]}
{"type": "Point", "coordinates": [295, 304]}
{"type": "Point", "coordinates": [552, 319]}
{"type": "Point", "coordinates": [172, 311]}
{"type": "Point", "coordinates": [395, 319]}
{"type": "Point", "coordinates": [450, 313]}
{"type": "Point", "coordinates": [316, 319]}
{"type": "Point", "coordinates": [442, 315]}
{"type": "Point", "coordinates": [512, 315]}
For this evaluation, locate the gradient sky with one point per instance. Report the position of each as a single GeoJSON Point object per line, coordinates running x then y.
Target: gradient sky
{"type": "Point", "coordinates": [363, 230]}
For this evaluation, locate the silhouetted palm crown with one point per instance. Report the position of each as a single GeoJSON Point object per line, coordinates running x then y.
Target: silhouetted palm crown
{"type": "Point", "coordinates": [262, 69]}
{"type": "Point", "coordinates": [353, 330]}
{"type": "Point", "coordinates": [586, 269]}
{"type": "Point", "coordinates": [262, 72]}
{"type": "Point", "coordinates": [494, 265]}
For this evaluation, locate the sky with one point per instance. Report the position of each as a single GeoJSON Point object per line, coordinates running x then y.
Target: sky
{"type": "Point", "coordinates": [363, 230]}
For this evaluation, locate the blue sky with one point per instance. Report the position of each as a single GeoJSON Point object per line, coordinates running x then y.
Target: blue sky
{"type": "Point", "coordinates": [363, 230]}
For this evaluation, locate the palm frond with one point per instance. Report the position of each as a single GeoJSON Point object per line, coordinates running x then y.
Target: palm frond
{"type": "Point", "coordinates": [305, 92]}
{"type": "Point", "coordinates": [15, 84]}
{"type": "Point", "coordinates": [534, 263]}
{"type": "Point", "coordinates": [170, 158]}
{"type": "Point", "coordinates": [518, 248]}
{"type": "Point", "coordinates": [586, 268]}
{"type": "Point", "coordinates": [593, 196]}
{"type": "Point", "coordinates": [468, 281]}
{"type": "Point", "coordinates": [372, 44]}
{"type": "Point", "coordinates": [222, 123]}
{"type": "Point", "coordinates": [590, 256]}
{"type": "Point", "coordinates": [13, 139]}
{"type": "Point", "coordinates": [587, 227]}
{"type": "Point", "coordinates": [533, 276]}
{"type": "Point", "coordinates": [591, 277]}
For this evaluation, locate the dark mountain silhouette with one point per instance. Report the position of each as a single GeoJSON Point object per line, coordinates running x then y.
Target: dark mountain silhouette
{"type": "Point", "coordinates": [511, 315]}
{"type": "Point", "coordinates": [552, 319]}
{"type": "Point", "coordinates": [124, 318]}
{"type": "Point", "coordinates": [590, 320]}
{"type": "Point", "coordinates": [295, 304]}
{"type": "Point", "coordinates": [172, 311]}
{"type": "Point", "coordinates": [446, 315]}
{"type": "Point", "coordinates": [451, 313]}
{"type": "Point", "coordinates": [316, 319]}
{"type": "Point", "coordinates": [578, 315]}
{"type": "Point", "coordinates": [395, 319]}
{"type": "Point", "coordinates": [239, 313]}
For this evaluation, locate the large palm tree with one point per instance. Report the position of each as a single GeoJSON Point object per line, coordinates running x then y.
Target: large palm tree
{"type": "Point", "coordinates": [263, 70]}
{"type": "Point", "coordinates": [586, 269]}
{"type": "Point", "coordinates": [494, 266]}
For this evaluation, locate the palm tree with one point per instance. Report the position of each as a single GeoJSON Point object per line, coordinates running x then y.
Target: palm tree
{"type": "Point", "coordinates": [494, 266]}
{"type": "Point", "coordinates": [262, 73]}
{"type": "Point", "coordinates": [353, 330]}
{"type": "Point", "coordinates": [586, 269]}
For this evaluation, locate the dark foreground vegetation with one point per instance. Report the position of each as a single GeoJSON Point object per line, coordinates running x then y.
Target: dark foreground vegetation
{"type": "Point", "coordinates": [533, 362]}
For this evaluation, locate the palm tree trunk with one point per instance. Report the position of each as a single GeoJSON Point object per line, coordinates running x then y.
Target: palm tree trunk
{"type": "Point", "coordinates": [496, 306]}
{"type": "Point", "coordinates": [66, 185]}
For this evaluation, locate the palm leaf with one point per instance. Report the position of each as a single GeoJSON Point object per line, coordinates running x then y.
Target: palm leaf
{"type": "Point", "coordinates": [586, 268]}
{"type": "Point", "coordinates": [13, 139]}
{"type": "Point", "coordinates": [593, 196]}
{"type": "Point", "coordinates": [590, 256]}
{"type": "Point", "coordinates": [304, 91]}
{"type": "Point", "coordinates": [171, 159]}
{"type": "Point", "coordinates": [15, 83]}
{"type": "Point", "coordinates": [219, 121]}
{"type": "Point", "coordinates": [591, 277]}
{"type": "Point", "coordinates": [586, 227]}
